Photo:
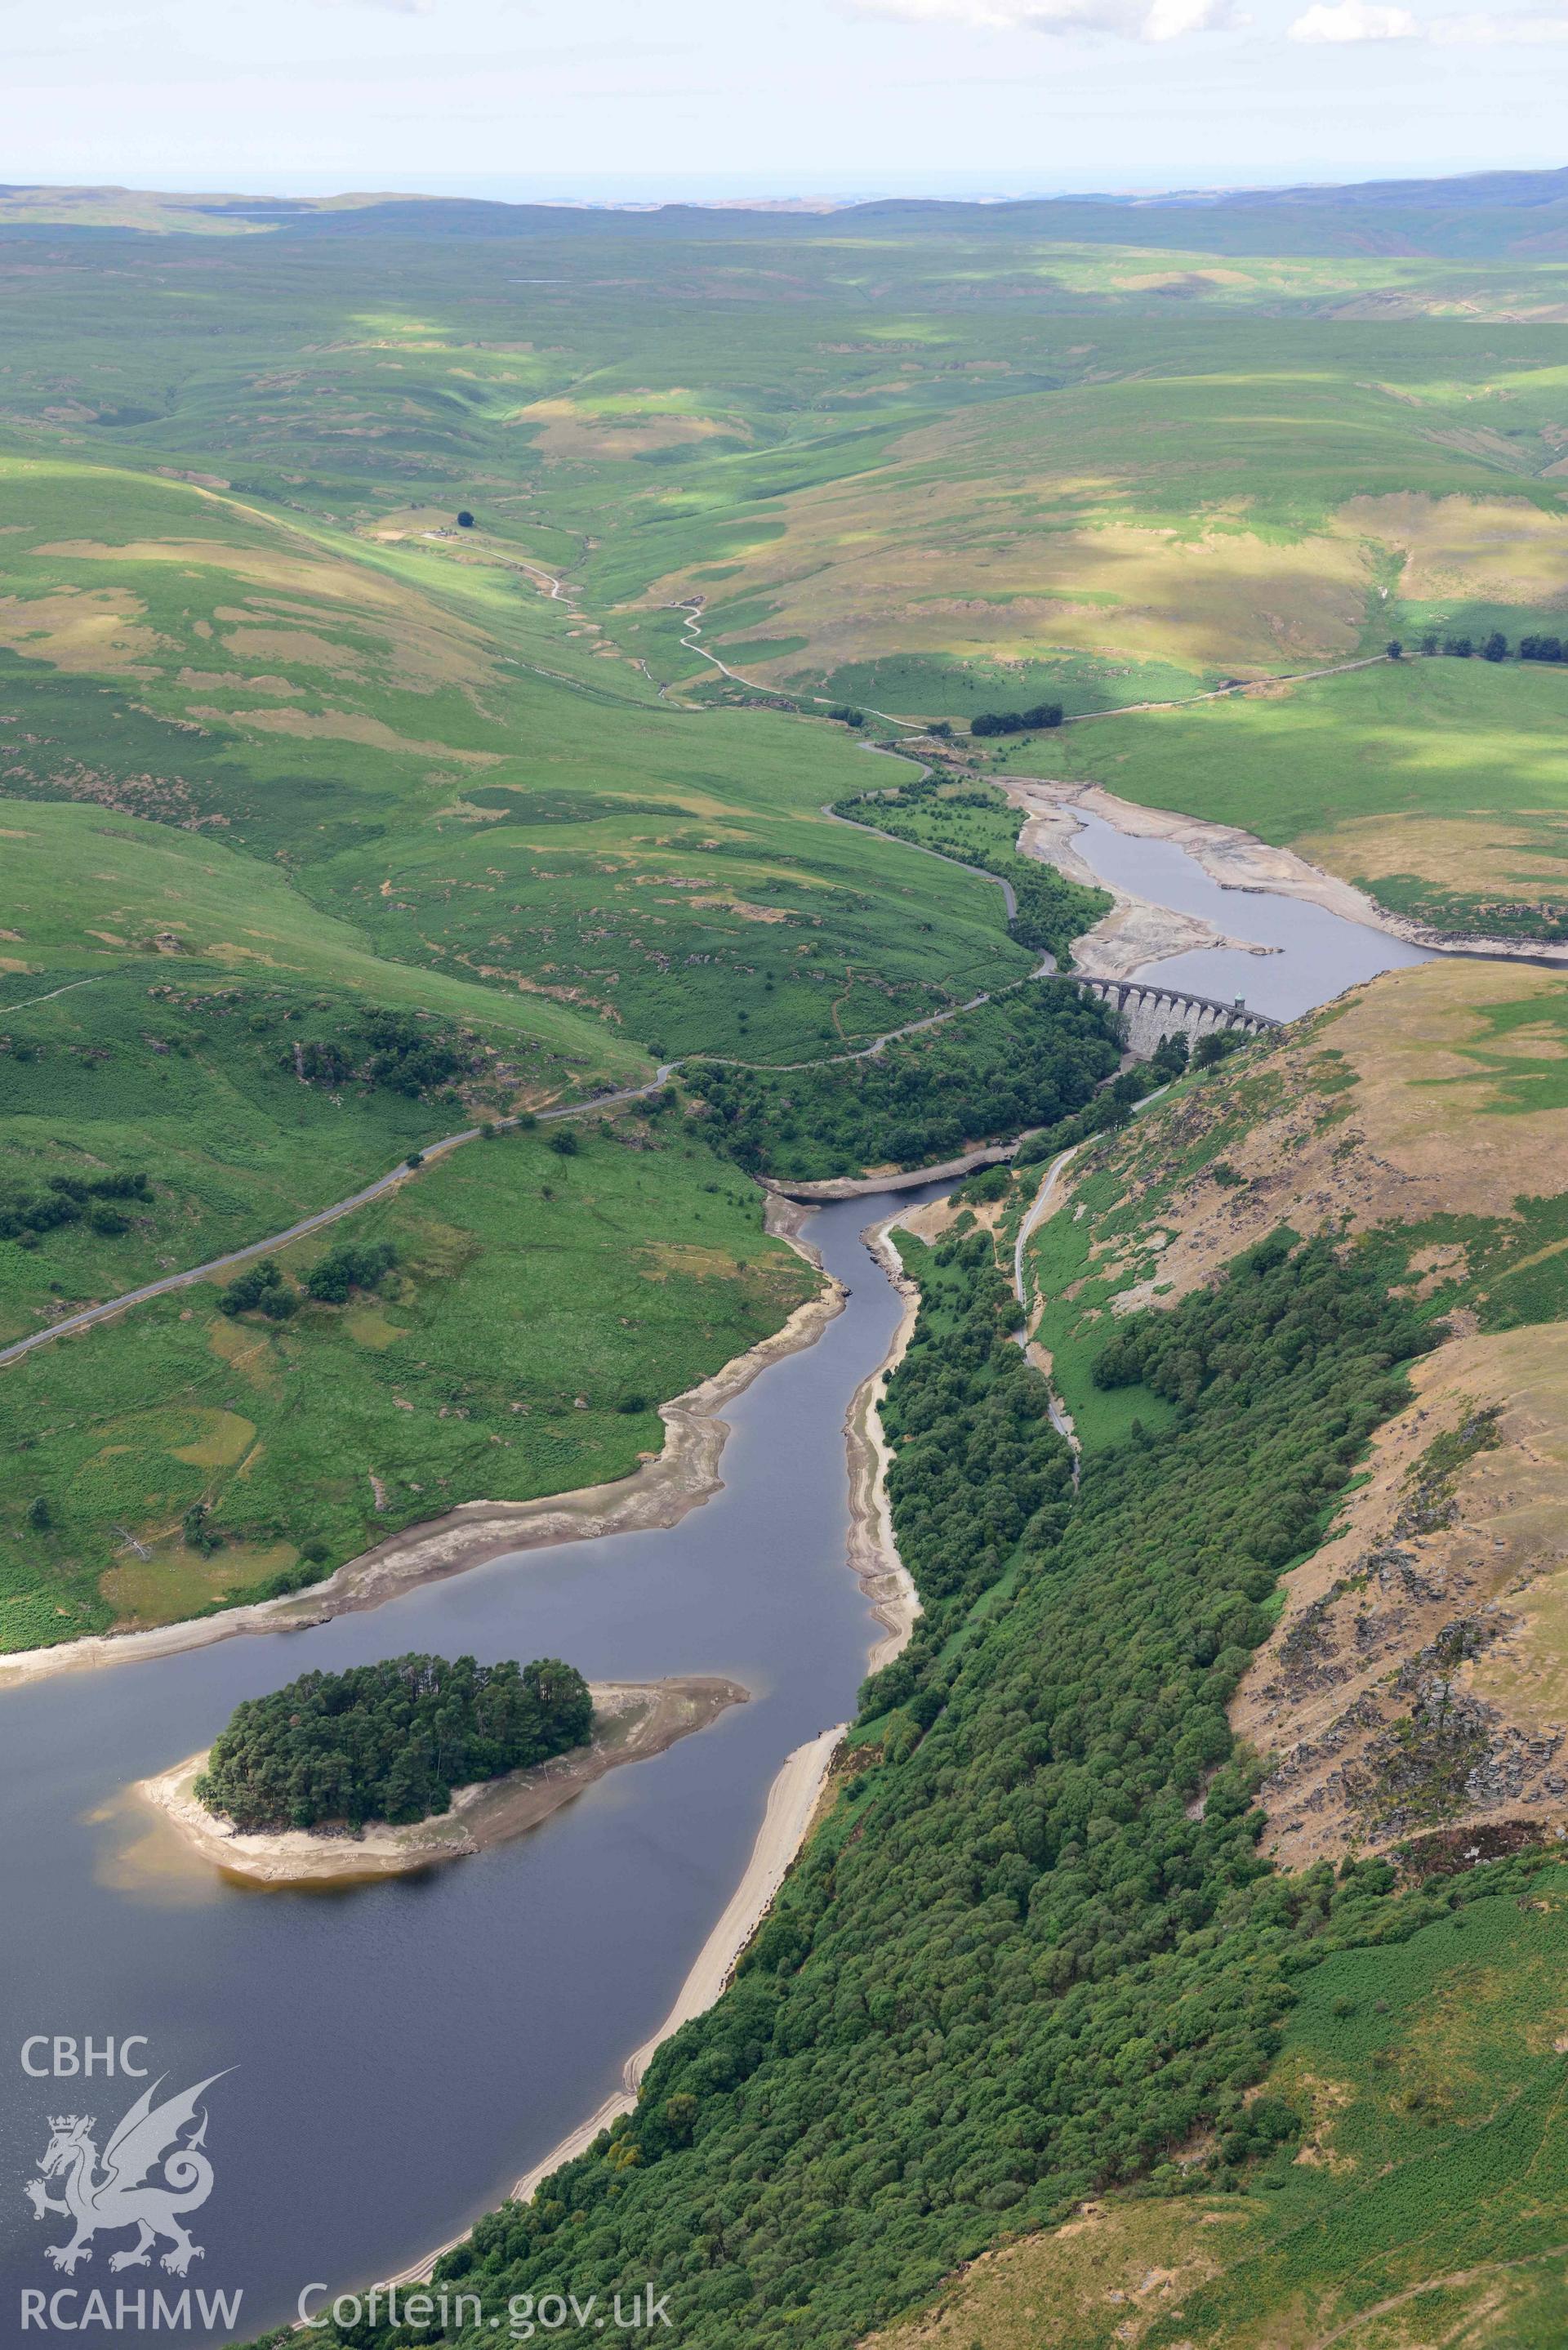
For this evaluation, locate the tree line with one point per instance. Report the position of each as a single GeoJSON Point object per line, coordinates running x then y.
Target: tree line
{"type": "Point", "coordinates": [1019, 1963]}
{"type": "Point", "coordinates": [1037, 717]}
{"type": "Point", "coordinates": [1492, 647]}
{"type": "Point", "coordinates": [1030, 1058]}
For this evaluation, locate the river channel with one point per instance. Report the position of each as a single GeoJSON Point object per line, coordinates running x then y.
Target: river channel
{"type": "Point", "coordinates": [403, 2051]}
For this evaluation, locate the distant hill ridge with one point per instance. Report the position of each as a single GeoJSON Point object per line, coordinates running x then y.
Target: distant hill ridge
{"type": "Point", "coordinates": [1476, 215]}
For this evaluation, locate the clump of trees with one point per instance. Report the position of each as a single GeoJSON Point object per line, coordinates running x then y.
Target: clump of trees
{"type": "Point", "coordinates": [92, 1200]}
{"type": "Point", "coordinates": [1040, 714]}
{"type": "Point", "coordinates": [391, 1741]}
{"type": "Point", "coordinates": [259, 1289]}
{"type": "Point", "coordinates": [198, 1531]}
{"type": "Point", "coordinates": [393, 1049]}
{"type": "Point", "coordinates": [352, 1264]}
{"type": "Point", "coordinates": [1217, 1045]}
{"type": "Point", "coordinates": [846, 714]}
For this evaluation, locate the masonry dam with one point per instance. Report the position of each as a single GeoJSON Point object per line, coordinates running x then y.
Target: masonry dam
{"type": "Point", "coordinates": [1149, 1011]}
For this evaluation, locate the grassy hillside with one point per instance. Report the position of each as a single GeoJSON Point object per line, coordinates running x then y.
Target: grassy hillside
{"type": "Point", "coordinates": [949, 463]}
{"type": "Point", "coordinates": [229, 1109]}
{"type": "Point", "coordinates": [88, 886]}
{"type": "Point", "coordinates": [1418, 2204]}
{"type": "Point", "coordinates": [1416, 1676]}
{"type": "Point", "coordinates": [1440, 786]}
{"type": "Point", "coordinates": [374, 737]}
{"type": "Point", "coordinates": [536, 1308]}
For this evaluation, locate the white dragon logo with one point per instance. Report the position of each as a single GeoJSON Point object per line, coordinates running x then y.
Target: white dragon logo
{"type": "Point", "coordinates": [124, 2195]}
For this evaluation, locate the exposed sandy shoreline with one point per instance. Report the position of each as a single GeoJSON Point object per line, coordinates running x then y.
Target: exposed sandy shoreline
{"type": "Point", "coordinates": [658, 1493]}
{"type": "Point", "coordinates": [634, 1720]}
{"type": "Point", "coordinates": [796, 1792]}
{"type": "Point", "coordinates": [1137, 932]}
{"type": "Point", "coordinates": [873, 1552]}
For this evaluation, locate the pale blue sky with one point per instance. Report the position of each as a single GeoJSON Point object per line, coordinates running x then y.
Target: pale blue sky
{"type": "Point", "coordinates": [611, 99]}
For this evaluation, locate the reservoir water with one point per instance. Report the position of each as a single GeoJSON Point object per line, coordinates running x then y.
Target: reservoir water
{"type": "Point", "coordinates": [1319, 953]}
{"type": "Point", "coordinates": [403, 2052]}
{"type": "Point", "coordinates": [395, 2056]}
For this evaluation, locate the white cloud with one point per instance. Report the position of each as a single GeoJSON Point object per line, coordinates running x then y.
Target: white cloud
{"type": "Point", "coordinates": [1355, 20]}
{"type": "Point", "coordinates": [1367, 20]}
{"type": "Point", "coordinates": [1326, 22]}
{"type": "Point", "coordinates": [1485, 31]}
{"type": "Point", "coordinates": [1138, 20]}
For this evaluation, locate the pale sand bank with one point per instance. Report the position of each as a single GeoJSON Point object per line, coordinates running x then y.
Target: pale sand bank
{"type": "Point", "coordinates": [797, 1791]}
{"type": "Point", "coordinates": [658, 1493]}
{"type": "Point", "coordinates": [873, 1552]}
{"type": "Point", "coordinates": [1136, 930]}
{"type": "Point", "coordinates": [633, 1721]}
{"type": "Point", "coordinates": [1231, 857]}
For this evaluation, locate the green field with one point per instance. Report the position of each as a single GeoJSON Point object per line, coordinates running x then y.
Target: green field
{"type": "Point", "coordinates": [539, 1308]}
{"type": "Point", "coordinates": [1440, 785]}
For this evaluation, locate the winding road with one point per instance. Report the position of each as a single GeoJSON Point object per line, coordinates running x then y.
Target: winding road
{"type": "Point", "coordinates": [694, 606]}
{"type": "Point", "coordinates": [401, 1173]}
{"type": "Point", "coordinates": [1061, 1418]}
{"type": "Point", "coordinates": [89, 1315]}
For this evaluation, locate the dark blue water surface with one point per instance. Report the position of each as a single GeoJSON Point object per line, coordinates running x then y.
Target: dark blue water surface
{"type": "Point", "coordinates": [403, 2051]}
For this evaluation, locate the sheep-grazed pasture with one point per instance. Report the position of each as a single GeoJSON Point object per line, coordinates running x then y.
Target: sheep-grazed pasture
{"type": "Point", "coordinates": [538, 1308]}
{"type": "Point", "coordinates": [1440, 785]}
{"type": "Point", "coordinates": [284, 743]}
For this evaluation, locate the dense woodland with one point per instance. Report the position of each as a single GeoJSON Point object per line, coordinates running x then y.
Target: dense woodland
{"type": "Point", "coordinates": [390, 1741]}
{"type": "Point", "coordinates": [1034, 1949]}
{"type": "Point", "coordinates": [1030, 1058]}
